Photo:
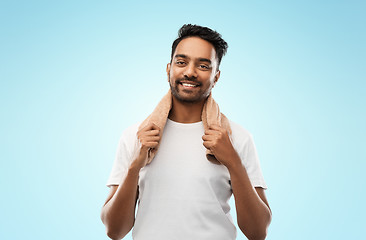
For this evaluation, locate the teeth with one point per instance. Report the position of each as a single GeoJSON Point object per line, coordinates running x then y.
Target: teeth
{"type": "Point", "coordinates": [188, 85]}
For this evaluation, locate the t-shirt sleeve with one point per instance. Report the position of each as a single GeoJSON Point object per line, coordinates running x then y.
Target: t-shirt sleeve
{"type": "Point", "coordinates": [251, 163]}
{"type": "Point", "coordinates": [244, 144]}
{"type": "Point", "coordinates": [124, 155]}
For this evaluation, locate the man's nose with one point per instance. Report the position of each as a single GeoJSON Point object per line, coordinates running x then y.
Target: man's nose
{"type": "Point", "coordinates": [190, 71]}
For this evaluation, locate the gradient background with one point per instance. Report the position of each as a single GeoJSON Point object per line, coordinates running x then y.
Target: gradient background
{"type": "Point", "coordinates": [75, 74]}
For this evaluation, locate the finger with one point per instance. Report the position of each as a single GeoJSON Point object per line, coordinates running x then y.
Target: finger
{"type": "Point", "coordinates": [146, 145]}
{"type": "Point", "coordinates": [141, 134]}
{"type": "Point", "coordinates": [145, 139]}
{"type": "Point", "coordinates": [208, 137]}
{"type": "Point", "coordinates": [211, 132]}
{"type": "Point", "coordinates": [152, 144]}
{"type": "Point", "coordinates": [151, 133]}
{"type": "Point", "coordinates": [207, 144]}
{"type": "Point", "coordinates": [151, 139]}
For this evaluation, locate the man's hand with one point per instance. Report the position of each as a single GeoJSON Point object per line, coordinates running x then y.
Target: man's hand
{"type": "Point", "coordinates": [149, 138]}
{"type": "Point", "coordinates": [218, 141]}
{"type": "Point", "coordinates": [118, 212]}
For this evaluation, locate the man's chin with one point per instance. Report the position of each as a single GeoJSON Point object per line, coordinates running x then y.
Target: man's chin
{"type": "Point", "coordinates": [187, 99]}
{"type": "Point", "coordinates": [182, 97]}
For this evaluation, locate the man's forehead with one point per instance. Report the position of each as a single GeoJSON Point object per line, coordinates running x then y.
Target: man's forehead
{"type": "Point", "coordinates": [195, 47]}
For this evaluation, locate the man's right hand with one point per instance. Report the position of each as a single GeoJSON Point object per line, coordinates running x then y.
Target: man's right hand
{"type": "Point", "coordinates": [149, 138]}
{"type": "Point", "coordinates": [118, 212]}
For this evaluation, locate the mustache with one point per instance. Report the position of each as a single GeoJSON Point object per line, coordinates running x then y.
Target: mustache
{"type": "Point", "coordinates": [191, 79]}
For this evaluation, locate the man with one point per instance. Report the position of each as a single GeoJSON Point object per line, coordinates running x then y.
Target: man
{"type": "Point", "coordinates": [181, 194]}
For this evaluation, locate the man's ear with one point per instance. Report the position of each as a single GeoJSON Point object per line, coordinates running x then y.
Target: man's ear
{"type": "Point", "coordinates": [168, 70]}
{"type": "Point", "coordinates": [217, 76]}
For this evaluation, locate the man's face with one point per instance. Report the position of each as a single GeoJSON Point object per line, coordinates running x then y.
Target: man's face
{"type": "Point", "coordinates": [193, 70]}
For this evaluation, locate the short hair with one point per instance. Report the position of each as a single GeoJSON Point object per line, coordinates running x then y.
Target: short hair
{"type": "Point", "coordinates": [189, 30]}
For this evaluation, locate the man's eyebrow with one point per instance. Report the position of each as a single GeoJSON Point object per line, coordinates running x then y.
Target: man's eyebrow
{"type": "Point", "coordinates": [180, 56]}
{"type": "Point", "coordinates": [199, 59]}
{"type": "Point", "coordinates": [204, 60]}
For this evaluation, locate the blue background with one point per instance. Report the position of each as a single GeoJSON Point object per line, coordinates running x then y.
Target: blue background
{"type": "Point", "coordinates": [75, 74]}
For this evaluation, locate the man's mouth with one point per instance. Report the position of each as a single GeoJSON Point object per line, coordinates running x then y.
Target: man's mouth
{"type": "Point", "coordinates": [189, 85]}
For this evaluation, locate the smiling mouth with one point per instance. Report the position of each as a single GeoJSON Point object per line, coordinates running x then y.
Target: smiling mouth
{"type": "Point", "coordinates": [188, 85]}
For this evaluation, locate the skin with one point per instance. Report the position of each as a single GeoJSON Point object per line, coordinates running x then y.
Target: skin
{"type": "Point", "coordinates": [118, 212]}
{"type": "Point", "coordinates": [195, 62]}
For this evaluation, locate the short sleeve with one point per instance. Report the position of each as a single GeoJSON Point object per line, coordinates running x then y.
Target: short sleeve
{"type": "Point", "coordinates": [244, 144]}
{"type": "Point", "coordinates": [250, 160]}
{"type": "Point", "coordinates": [126, 148]}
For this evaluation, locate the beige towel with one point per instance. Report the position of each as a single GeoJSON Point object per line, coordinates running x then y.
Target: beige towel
{"type": "Point", "coordinates": [210, 115]}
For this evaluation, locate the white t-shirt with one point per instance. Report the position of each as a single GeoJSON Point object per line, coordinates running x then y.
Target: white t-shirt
{"type": "Point", "coordinates": [182, 195]}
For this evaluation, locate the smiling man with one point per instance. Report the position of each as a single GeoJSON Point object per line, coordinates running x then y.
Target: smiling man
{"type": "Point", "coordinates": [180, 193]}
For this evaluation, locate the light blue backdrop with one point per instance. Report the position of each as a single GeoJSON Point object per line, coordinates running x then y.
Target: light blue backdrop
{"type": "Point", "coordinates": [74, 74]}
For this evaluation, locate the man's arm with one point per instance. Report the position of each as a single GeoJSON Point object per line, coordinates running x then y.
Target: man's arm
{"type": "Point", "coordinates": [253, 212]}
{"type": "Point", "coordinates": [252, 209]}
{"type": "Point", "coordinates": [118, 212]}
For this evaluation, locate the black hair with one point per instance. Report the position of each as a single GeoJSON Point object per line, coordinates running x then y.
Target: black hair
{"type": "Point", "coordinates": [213, 37]}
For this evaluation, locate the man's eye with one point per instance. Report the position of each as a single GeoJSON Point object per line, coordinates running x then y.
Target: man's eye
{"type": "Point", "coordinates": [204, 66]}
{"type": "Point", "coordinates": [180, 62]}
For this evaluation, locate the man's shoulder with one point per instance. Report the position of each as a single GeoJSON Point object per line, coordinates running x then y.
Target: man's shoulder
{"type": "Point", "coordinates": [239, 133]}
{"type": "Point", "coordinates": [131, 130]}
{"type": "Point", "coordinates": [238, 128]}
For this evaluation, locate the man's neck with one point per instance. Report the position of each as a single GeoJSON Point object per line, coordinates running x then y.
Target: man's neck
{"type": "Point", "coordinates": [186, 112]}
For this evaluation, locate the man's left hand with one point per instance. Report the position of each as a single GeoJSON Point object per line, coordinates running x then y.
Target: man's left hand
{"type": "Point", "coordinates": [218, 141]}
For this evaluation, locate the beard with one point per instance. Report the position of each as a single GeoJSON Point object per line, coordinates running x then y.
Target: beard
{"type": "Point", "coordinates": [194, 98]}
